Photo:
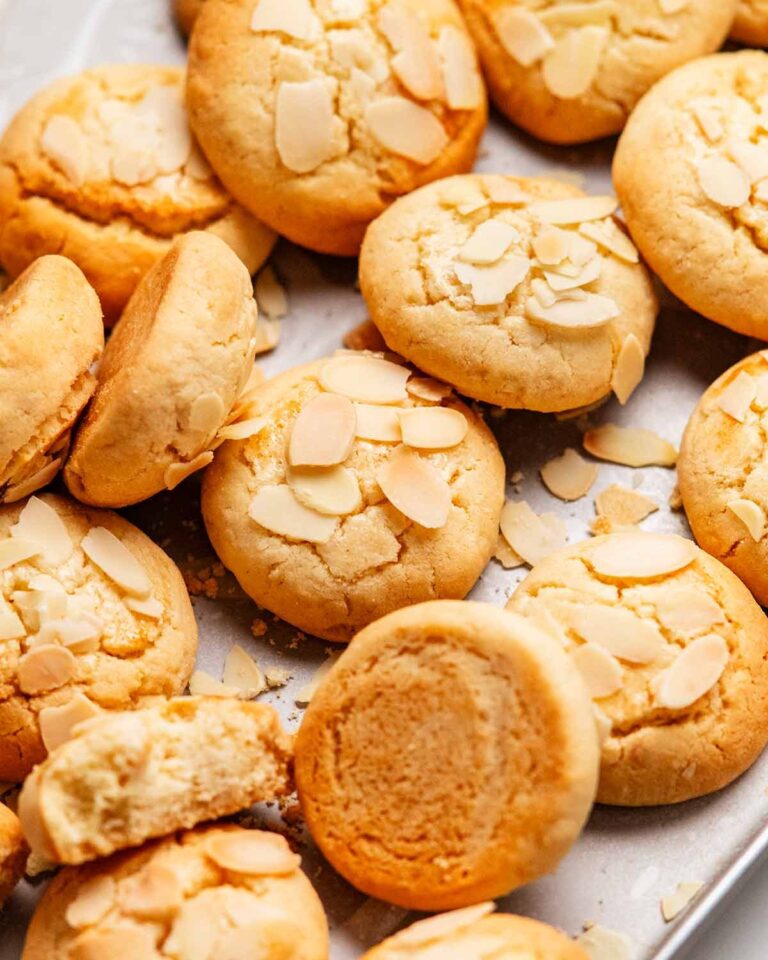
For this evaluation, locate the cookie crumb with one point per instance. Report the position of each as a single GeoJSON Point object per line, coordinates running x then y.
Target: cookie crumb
{"type": "Point", "coordinates": [277, 677]}
{"type": "Point", "coordinates": [258, 627]}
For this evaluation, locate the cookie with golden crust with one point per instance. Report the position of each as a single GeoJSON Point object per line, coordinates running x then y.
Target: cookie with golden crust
{"type": "Point", "coordinates": [93, 616]}
{"type": "Point", "coordinates": [42, 392]}
{"type": "Point", "coordinates": [572, 72]}
{"type": "Point", "coordinates": [317, 114]}
{"type": "Point", "coordinates": [673, 650]}
{"type": "Point", "coordinates": [187, 12]}
{"type": "Point", "coordinates": [522, 292]}
{"type": "Point", "coordinates": [171, 374]}
{"type": "Point", "coordinates": [449, 756]}
{"type": "Point", "coordinates": [216, 893]}
{"type": "Point", "coordinates": [689, 171]}
{"type": "Point", "coordinates": [101, 167]}
{"type": "Point", "coordinates": [13, 852]}
{"type": "Point", "coordinates": [751, 23]}
{"type": "Point", "coordinates": [363, 488]}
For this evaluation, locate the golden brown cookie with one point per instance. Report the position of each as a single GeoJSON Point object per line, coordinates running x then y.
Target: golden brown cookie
{"type": "Point", "coordinates": [317, 116]}
{"type": "Point", "coordinates": [42, 391]}
{"type": "Point", "coordinates": [92, 615]}
{"type": "Point", "coordinates": [172, 372]}
{"type": "Point", "coordinates": [751, 23]}
{"type": "Point", "coordinates": [449, 756]}
{"type": "Point", "coordinates": [101, 167]}
{"type": "Point", "coordinates": [569, 72]}
{"type": "Point", "coordinates": [218, 893]}
{"type": "Point", "coordinates": [674, 652]}
{"type": "Point", "coordinates": [187, 12]}
{"type": "Point", "coordinates": [13, 852]}
{"type": "Point", "coordinates": [364, 487]}
{"type": "Point", "coordinates": [523, 292]}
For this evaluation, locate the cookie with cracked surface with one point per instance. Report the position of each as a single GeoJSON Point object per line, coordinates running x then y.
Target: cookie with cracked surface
{"type": "Point", "coordinates": [696, 203]}
{"type": "Point", "coordinates": [13, 852]}
{"type": "Point", "coordinates": [101, 167]}
{"type": "Point", "coordinates": [751, 23]}
{"type": "Point", "coordinates": [187, 12]}
{"type": "Point", "coordinates": [42, 392]}
{"type": "Point", "coordinates": [522, 292]}
{"type": "Point", "coordinates": [673, 650]}
{"type": "Point", "coordinates": [163, 768]}
{"type": "Point", "coordinates": [449, 757]}
{"type": "Point", "coordinates": [364, 488]}
{"type": "Point", "coordinates": [92, 615]}
{"type": "Point", "coordinates": [572, 72]}
{"type": "Point", "coordinates": [316, 114]}
{"type": "Point", "coordinates": [215, 893]}
{"type": "Point", "coordinates": [172, 375]}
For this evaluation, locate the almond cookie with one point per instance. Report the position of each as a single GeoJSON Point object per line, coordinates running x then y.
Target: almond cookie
{"type": "Point", "coordinates": [569, 72]}
{"type": "Point", "coordinates": [363, 488]}
{"type": "Point", "coordinates": [102, 168]}
{"type": "Point", "coordinates": [449, 757]}
{"type": "Point", "coordinates": [476, 933]}
{"type": "Point", "coordinates": [172, 374]}
{"type": "Point", "coordinates": [156, 770]}
{"type": "Point", "coordinates": [674, 652]}
{"type": "Point", "coordinates": [187, 12]}
{"type": "Point", "coordinates": [92, 615]}
{"type": "Point", "coordinates": [691, 171]}
{"type": "Point", "coordinates": [13, 852]}
{"type": "Point", "coordinates": [751, 23]}
{"type": "Point", "coordinates": [42, 391]}
{"type": "Point", "coordinates": [520, 292]}
{"type": "Point", "coordinates": [316, 114]}
{"type": "Point", "coordinates": [220, 893]}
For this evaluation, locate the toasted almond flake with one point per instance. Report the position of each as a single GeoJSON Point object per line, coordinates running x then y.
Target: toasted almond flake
{"type": "Point", "coordinates": [600, 943]}
{"type": "Point", "coordinates": [505, 192]}
{"type": "Point", "coordinates": [243, 429]}
{"type": "Point", "coordinates": [79, 636]}
{"type": "Point", "coordinates": [415, 488]}
{"type": "Point", "coordinates": [688, 610]}
{"type": "Point", "coordinates": [532, 537]}
{"type": "Point", "coordinates": [543, 292]}
{"type": "Point", "coordinates": [40, 524]}
{"type": "Point", "coordinates": [694, 673]}
{"type": "Point", "coordinates": [611, 238]}
{"type": "Point", "coordinates": [587, 274]}
{"type": "Point", "coordinates": [304, 127]}
{"type": "Point", "coordinates": [95, 898]}
{"type": "Point", "coordinates": [463, 83]}
{"type": "Point", "coordinates": [629, 369]}
{"type": "Point", "coordinates": [431, 390]}
{"type": "Point", "coordinates": [574, 210]}
{"type": "Point", "coordinates": [603, 723]}
{"type": "Point", "coordinates": [202, 684]}
{"type": "Point", "coordinates": [440, 926]}
{"type": "Point", "coordinates": [586, 313]}
{"type": "Point", "coordinates": [64, 142]}
{"type": "Point", "coordinates": [571, 67]}
{"type": "Point", "coordinates": [752, 158]}
{"type": "Point", "coordinates": [270, 294]}
{"type": "Point", "coordinates": [267, 336]}
{"type": "Point", "coordinates": [751, 515]}
{"type": "Point", "coordinates": [641, 556]}
{"type": "Point", "coordinates": [433, 428]}
{"type": "Point", "coordinates": [276, 509]}
{"type": "Point", "coordinates": [569, 476]}
{"type": "Point", "coordinates": [366, 379]}
{"type": "Point", "coordinates": [295, 18]}
{"type": "Point", "coordinates": [323, 433]}
{"type": "Point", "coordinates": [601, 672]}
{"type": "Point", "coordinates": [405, 128]}
{"type": "Point", "coordinates": [621, 506]}
{"type": "Point", "coordinates": [522, 34]}
{"type": "Point", "coordinates": [15, 550]}
{"type": "Point", "coordinates": [491, 285]}
{"type": "Point", "coordinates": [115, 560]}
{"type": "Point", "coordinates": [506, 556]}
{"type": "Point", "coordinates": [673, 905]}
{"type": "Point", "coordinates": [737, 397]}
{"type": "Point", "coordinates": [629, 446]}
{"type": "Point", "coordinates": [254, 853]}
{"type": "Point", "coordinates": [308, 691]}
{"type": "Point", "coordinates": [242, 673]}
{"type": "Point", "coordinates": [207, 413]}
{"type": "Point", "coordinates": [709, 117]}
{"type": "Point", "coordinates": [45, 667]}
{"type": "Point", "coordinates": [416, 63]}
{"type": "Point", "coordinates": [489, 242]}
{"type": "Point", "coordinates": [670, 7]}
{"type": "Point", "coordinates": [379, 423]}
{"type": "Point", "coordinates": [38, 480]}
{"type": "Point", "coordinates": [761, 392]}
{"type": "Point", "coordinates": [57, 724]}
{"type": "Point", "coordinates": [334, 491]}
{"type": "Point", "coordinates": [149, 607]}
{"type": "Point", "coordinates": [176, 473]}
{"type": "Point", "coordinates": [11, 627]}
{"type": "Point", "coordinates": [619, 631]}
{"type": "Point", "coordinates": [551, 245]}
{"type": "Point", "coordinates": [723, 182]}
{"type": "Point", "coordinates": [154, 893]}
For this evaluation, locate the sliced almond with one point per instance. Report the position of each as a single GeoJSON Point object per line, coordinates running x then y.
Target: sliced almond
{"type": "Point", "coordinates": [601, 673]}
{"type": "Point", "coordinates": [586, 313]}
{"type": "Point", "coordinates": [365, 378]}
{"type": "Point", "coordinates": [323, 433]}
{"type": "Point", "coordinates": [573, 211]}
{"type": "Point", "coordinates": [620, 632]}
{"type": "Point", "coordinates": [254, 853]}
{"type": "Point", "coordinates": [629, 446]}
{"type": "Point", "coordinates": [737, 397]}
{"type": "Point", "coordinates": [15, 550]}
{"type": "Point", "coordinates": [693, 674]}
{"type": "Point", "coordinates": [543, 292]}
{"type": "Point", "coordinates": [569, 476]}
{"type": "Point", "coordinates": [611, 238]}
{"type": "Point", "coordinates": [120, 942]}
{"type": "Point", "coordinates": [622, 506]}
{"type": "Point", "coordinates": [308, 691]}
{"type": "Point", "coordinates": [115, 560]}
{"type": "Point", "coordinates": [403, 127]}
{"type": "Point", "coordinates": [579, 14]}
{"type": "Point", "coordinates": [532, 537]}
{"type": "Point", "coordinates": [207, 413]}
{"type": "Point", "coordinates": [416, 63]}
{"type": "Point", "coordinates": [176, 473]}
{"type": "Point", "coordinates": [415, 487]}
{"type": "Point", "coordinates": [491, 285]}
{"type": "Point", "coordinates": [95, 898]}
{"type": "Point", "coordinates": [603, 723]}
{"type": "Point", "coordinates": [202, 684]}
{"type": "Point", "coordinates": [507, 557]}
{"type": "Point", "coordinates": [441, 926]}
{"type": "Point", "coordinates": [489, 242]}
{"type": "Point", "coordinates": [154, 893]}
{"type": "Point", "coordinates": [295, 18]}
{"type": "Point", "coordinates": [304, 124]}
{"type": "Point", "coordinates": [723, 182]}
{"type": "Point", "coordinates": [11, 627]}
{"type": "Point", "coordinates": [334, 491]}
{"type": "Point", "coordinates": [670, 7]}
{"type": "Point", "coordinates": [64, 142]}
{"type": "Point", "coordinates": [46, 667]}
{"type": "Point", "coordinates": [79, 636]}
{"type": "Point", "coordinates": [709, 117]}
{"type": "Point", "coordinates": [243, 429]}
{"type": "Point", "coordinates": [243, 673]}
{"type": "Point", "coordinates": [39, 523]}
{"type": "Point", "coordinates": [601, 943]}
{"type": "Point", "coordinates": [39, 479]}
{"type": "Point", "coordinates": [629, 369]}
{"type": "Point", "coordinates": [641, 556]}
{"type": "Point", "coordinates": [551, 245]}
{"type": "Point", "coordinates": [751, 157]}
{"type": "Point", "coordinates": [589, 273]}
{"type": "Point", "coordinates": [433, 428]}
{"type": "Point", "coordinates": [505, 192]}
{"type": "Point", "coordinates": [687, 610]}
{"type": "Point", "coordinates": [673, 905]}
{"type": "Point", "coordinates": [463, 83]}
{"type": "Point", "coordinates": [751, 515]}
{"type": "Point", "coordinates": [522, 34]}
{"type": "Point", "coordinates": [276, 509]}
{"type": "Point", "coordinates": [57, 724]}
{"type": "Point", "coordinates": [148, 607]}
{"type": "Point", "coordinates": [431, 390]}
{"type": "Point", "coordinates": [270, 294]}
{"type": "Point", "coordinates": [761, 392]}
{"type": "Point", "coordinates": [570, 68]}
{"type": "Point", "coordinates": [379, 423]}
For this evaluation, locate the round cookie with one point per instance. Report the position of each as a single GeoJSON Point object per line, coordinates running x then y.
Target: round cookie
{"type": "Point", "coordinates": [475, 933]}
{"type": "Point", "coordinates": [171, 375]}
{"type": "Point", "coordinates": [751, 23]}
{"type": "Point", "coordinates": [187, 12]}
{"type": "Point", "coordinates": [219, 893]}
{"type": "Point", "coordinates": [92, 614]}
{"type": "Point", "coordinates": [674, 651]}
{"type": "Point", "coordinates": [13, 852]}
{"type": "Point", "coordinates": [522, 292]}
{"type": "Point", "coordinates": [42, 391]}
{"type": "Point", "coordinates": [101, 167]}
{"type": "Point", "coordinates": [572, 72]}
{"type": "Point", "coordinates": [690, 173]}
{"type": "Point", "coordinates": [449, 757]}
{"type": "Point", "coordinates": [316, 115]}
{"type": "Point", "coordinates": [362, 490]}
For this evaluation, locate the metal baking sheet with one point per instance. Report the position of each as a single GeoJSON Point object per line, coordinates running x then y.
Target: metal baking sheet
{"type": "Point", "coordinates": [626, 859]}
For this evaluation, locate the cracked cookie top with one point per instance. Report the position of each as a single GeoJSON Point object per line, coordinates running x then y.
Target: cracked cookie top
{"type": "Point", "coordinates": [673, 651]}
{"type": "Point", "coordinates": [366, 487]}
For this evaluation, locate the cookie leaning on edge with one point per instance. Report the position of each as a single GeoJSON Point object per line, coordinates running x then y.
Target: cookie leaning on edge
{"type": "Point", "coordinates": [13, 852]}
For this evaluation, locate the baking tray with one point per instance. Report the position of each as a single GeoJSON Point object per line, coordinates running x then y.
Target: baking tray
{"type": "Point", "coordinates": [626, 859]}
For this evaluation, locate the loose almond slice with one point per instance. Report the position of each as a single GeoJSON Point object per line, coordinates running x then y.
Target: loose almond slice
{"type": "Point", "coordinates": [295, 18]}
{"type": "Point", "coordinates": [243, 429]}
{"type": "Point", "coordinates": [463, 83]}
{"type": "Point", "coordinates": [522, 34]}
{"type": "Point", "coordinates": [64, 142]}
{"type": "Point", "coordinates": [620, 632]}
{"type": "Point", "coordinates": [622, 506]}
{"type": "Point", "coordinates": [415, 488]}
{"type": "Point", "coordinates": [491, 285]}
{"type": "Point", "coordinates": [737, 397]}
{"type": "Point", "coordinates": [379, 423]}
{"type": "Point", "coordinates": [611, 238]}
{"type": "Point", "coordinates": [433, 428]}
{"type": "Point", "coordinates": [253, 853]}
{"type": "Point", "coordinates": [39, 523]}
{"type": "Point", "coordinates": [489, 242]}
{"type": "Point", "coordinates": [641, 556]}
{"type": "Point", "coordinates": [207, 413]}
{"type": "Point", "coordinates": [723, 182]}
{"type": "Point", "coordinates": [569, 476]}
{"type": "Point", "coordinates": [570, 69]}
{"type": "Point", "coordinates": [176, 473]}
{"type": "Point", "coordinates": [15, 550]}
{"type": "Point", "coordinates": [304, 128]}
{"type": "Point", "coordinates": [506, 556]}
{"type": "Point", "coordinates": [629, 446]}
{"type": "Point", "coordinates": [270, 294]}
{"type": "Point", "coordinates": [751, 515]}
{"type": "Point", "coordinates": [532, 537]}
{"type": "Point", "coordinates": [601, 673]}
{"type": "Point", "coordinates": [416, 63]}
{"type": "Point", "coordinates": [308, 691]}
{"type": "Point", "coordinates": [688, 610]}
{"type": "Point", "coordinates": [46, 667]}
{"type": "Point", "coordinates": [434, 391]}
{"type": "Point", "coordinates": [95, 898]}
{"type": "Point", "coordinates": [115, 560]}
{"type": "Point", "coordinates": [442, 925]}
{"type": "Point", "coordinates": [149, 607]}
{"type": "Point", "coordinates": [334, 491]}
{"type": "Point", "coordinates": [202, 684]}
{"type": "Point", "coordinates": [405, 128]}
{"type": "Point", "coordinates": [58, 723]}
{"type": "Point", "coordinates": [243, 673]}
{"type": "Point", "coordinates": [629, 369]}
{"type": "Point", "coordinates": [574, 210]}
{"type": "Point", "coordinates": [587, 274]}
{"type": "Point", "coordinates": [586, 313]}
{"type": "Point", "coordinates": [323, 432]}
{"type": "Point", "coordinates": [276, 509]}
{"type": "Point", "coordinates": [693, 674]}
{"type": "Point", "coordinates": [366, 379]}
{"type": "Point", "coordinates": [673, 905]}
